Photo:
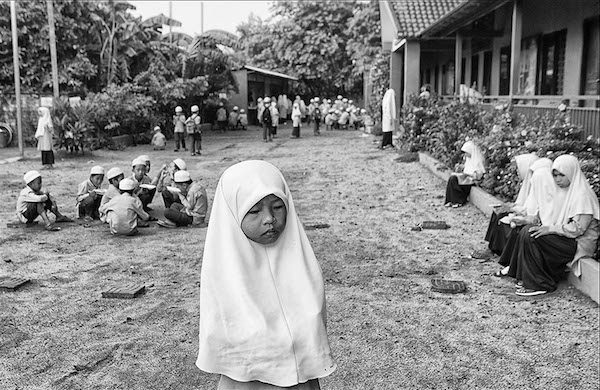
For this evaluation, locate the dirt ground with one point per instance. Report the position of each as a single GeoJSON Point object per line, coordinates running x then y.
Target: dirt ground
{"type": "Point", "coordinates": [387, 329]}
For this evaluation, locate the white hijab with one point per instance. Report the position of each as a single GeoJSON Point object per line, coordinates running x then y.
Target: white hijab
{"type": "Point", "coordinates": [43, 122]}
{"type": "Point", "coordinates": [475, 162]}
{"type": "Point", "coordinates": [524, 162]}
{"type": "Point", "coordinates": [543, 189]}
{"type": "Point", "coordinates": [262, 308]}
{"type": "Point", "coordinates": [579, 198]}
{"type": "Point", "coordinates": [388, 106]}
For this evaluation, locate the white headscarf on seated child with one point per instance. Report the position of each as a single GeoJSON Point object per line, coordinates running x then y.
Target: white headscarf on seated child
{"type": "Point", "coordinates": [475, 162]}
{"type": "Point", "coordinates": [579, 197]}
{"type": "Point", "coordinates": [540, 199]}
{"type": "Point", "coordinates": [262, 307]}
{"type": "Point", "coordinates": [524, 162]}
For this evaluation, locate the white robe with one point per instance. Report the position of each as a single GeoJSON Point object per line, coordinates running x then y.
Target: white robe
{"type": "Point", "coordinates": [388, 106]}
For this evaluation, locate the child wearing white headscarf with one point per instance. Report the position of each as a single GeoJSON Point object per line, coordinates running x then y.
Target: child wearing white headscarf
{"type": "Point", "coordinates": [388, 117]}
{"type": "Point", "coordinates": [497, 233]}
{"type": "Point", "coordinates": [537, 208]}
{"type": "Point", "coordinates": [262, 300]}
{"type": "Point", "coordinates": [459, 184]}
{"type": "Point", "coordinates": [544, 250]}
{"type": "Point", "coordinates": [296, 120]}
{"type": "Point", "coordinates": [44, 134]}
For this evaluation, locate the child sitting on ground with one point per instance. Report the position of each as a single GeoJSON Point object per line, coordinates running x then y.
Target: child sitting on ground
{"type": "Point", "coordinates": [243, 119]}
{"type": "Point", "coordinates": [343, 120]}
{"type": "Point", "coordinates": [262, 300]}
{"type": "Point", "coordinates": [124, 210]}
{"type": "Point", "coordinates": [192, 206]}
{"type": "Point", "coordinates": [89, 195]}
{"type": "Point", "coordinates": [114, 177]}
{"type": "Point", "coordinates": [166, 178]}
{"type": "Point", "coordinates": [33, 202]}
{"type": "Point", "coordinates": [145, 189]}
{"type": "Point", "coordinates": [329, 120]}
{"type": "Point", "coordinates": [159, 141]}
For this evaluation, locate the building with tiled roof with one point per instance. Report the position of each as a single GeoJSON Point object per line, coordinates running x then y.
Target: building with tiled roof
{"type": "Point", "coordinates": [414, 16]}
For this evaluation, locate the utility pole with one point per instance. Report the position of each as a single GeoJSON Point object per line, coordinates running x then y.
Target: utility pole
{"type": "Point", "coordinates": [53, 58]}
{"type": "Point", "coordinates": [15, 47]}
{"type": "Point", "coordinates": [170, 17]}
{"type": "Point", "coordinates": [201, 17]}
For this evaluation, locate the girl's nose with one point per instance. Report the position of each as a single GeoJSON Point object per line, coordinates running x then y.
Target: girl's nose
{"type": "Point", "coordinates": [268, 218]}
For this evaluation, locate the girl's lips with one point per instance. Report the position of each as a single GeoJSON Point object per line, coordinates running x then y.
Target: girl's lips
{"type": "Point", "coordinates": [270, 233]}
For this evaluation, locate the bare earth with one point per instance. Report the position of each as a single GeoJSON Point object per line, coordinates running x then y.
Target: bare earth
{"type": "Point", "coordinates": [387, 329]}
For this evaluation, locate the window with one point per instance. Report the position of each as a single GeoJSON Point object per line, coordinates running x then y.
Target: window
{"type": "Point", "coordinates": [552, 68]}
{"type": "Point", "coordinates": [504, 85]}
{"type": "Point", "coordinates": [475, 71]}
{"type": "Point", "coordinates": [590, 83]}
{"type": "Point", "coordinates": [487, 72]}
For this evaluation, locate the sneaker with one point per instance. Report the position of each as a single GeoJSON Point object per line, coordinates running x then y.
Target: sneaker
{"type": "Point", "coordinates": [166, 223]}
{"type": "Point", "coordinates": [448, 204]}
{"type": "Point", "coordinates": [519, 284]}
{"type": "Point", "coordinates": [51, 228]}
{"type": "Point", "coordinates": [526, 292]}
{"type": "Point", "coordinates": [456, 205]}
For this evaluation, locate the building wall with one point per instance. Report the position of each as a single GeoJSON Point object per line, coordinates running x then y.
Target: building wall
{"type": "Point", "coordinates": [240, 99]}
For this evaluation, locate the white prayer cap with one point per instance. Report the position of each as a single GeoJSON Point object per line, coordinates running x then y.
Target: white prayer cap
{"type": "Point", "coordinates": [138, 161]}
{"type": "Point", "coordinates": [267, 100]}
{"type": "Point", "coordinates": [156, 128]}
{"type": "Point", "coordinates": [259, 99]}
{"type": "Point", "coordinates": [178, 109]}
{"type": "Point", "coordinates": [316, 99]}
{"type": "Point", "coordinates": [97, 170]}
{"type": "Point", "coordinates": [31, 176]}
{"type": "Point", "coordinates": [350, 101]}
{"type": "Point", "coordinates": [114, 172]}
{"type": "Point", "coordinates": [144, 157]}
{"type": "Point", "coordinates": [242, 110]}
{"type": "Point", "coordinates": [345, 100]}
{"type": "Point", "coordinates": [179, 163]}
{"type": "Point", "coordinates": [127, 184]}
{"type": "Point", "coordinates": [339, 97]}
{"type": "Point", "coordinates": [363, 110]}
{"type": "Point", "coordinates": [235, 108]}
{"type": "Point", "coordinates": [312, 100]}
{"type": "Point", "coordinates": [195, 108]}
{"type": "Point", "coordinates": [182, 177]}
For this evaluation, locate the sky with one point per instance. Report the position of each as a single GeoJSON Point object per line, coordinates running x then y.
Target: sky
{"type": "Point", "coordinates": [223, 15]}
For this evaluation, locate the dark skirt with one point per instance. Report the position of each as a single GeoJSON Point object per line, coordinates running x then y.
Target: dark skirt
{"type": "Point", "coordinates": [296, 131]}
{"type": "Point", "coordinates": [47, 157]}
{"type": "Point", "coordinates": [457, 193]}
{"type": "Point", "coordinates": [497, 233]}
{"type": "Point", "coordinates": [509, 256]}
{"type": "Point", "coordinates": [543, 260]}
{"type": "Point", "coordinates": [387, 139]}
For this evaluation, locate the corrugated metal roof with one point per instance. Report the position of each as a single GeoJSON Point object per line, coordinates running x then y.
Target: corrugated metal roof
{"type": "Point", "coordinates": [269, 72]}
{"type": "Point", "coordinates": [415, 16]}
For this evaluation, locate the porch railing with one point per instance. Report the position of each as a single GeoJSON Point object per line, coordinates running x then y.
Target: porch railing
{"type": "Point", "coordinates": [583, 109]}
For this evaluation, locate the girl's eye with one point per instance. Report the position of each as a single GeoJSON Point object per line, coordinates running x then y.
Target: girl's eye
{"type": "Point", "coordinates": [252, 211]}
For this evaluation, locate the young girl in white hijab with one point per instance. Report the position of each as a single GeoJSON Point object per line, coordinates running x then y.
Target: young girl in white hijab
{"type": "Point", "coordinates": [459, 184]}
{"type": "Point", "coordinates": [497, 233]}
{"type": "Point", "coordinates": [388, 117]}
{"type": "Point", "coordinates": [44, 134]}
{"type": "Point", "coordinates": [262, 301]}
{"type": "Point", "coordinates": [544, 250]}
{"type": "Point", "coordinates": [296, 120]}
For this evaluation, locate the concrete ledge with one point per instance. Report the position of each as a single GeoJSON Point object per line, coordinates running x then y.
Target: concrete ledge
{"type": "Point", "coordinates": [588, 283]}
{"type": "Point", "coordinates": [10, 160]}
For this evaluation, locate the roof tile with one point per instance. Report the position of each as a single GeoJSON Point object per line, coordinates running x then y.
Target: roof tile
{"type": "Point", "coordinates": [414, 16]}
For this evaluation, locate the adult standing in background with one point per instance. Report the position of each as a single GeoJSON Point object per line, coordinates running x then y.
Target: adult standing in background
{"type": "Point", "coordinates": [388, 118]}
{"type": "Point", "coordinates": [44, 134]}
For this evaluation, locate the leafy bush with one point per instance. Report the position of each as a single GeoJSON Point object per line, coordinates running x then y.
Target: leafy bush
{"type": "Point", "coordinates": [441, 128]}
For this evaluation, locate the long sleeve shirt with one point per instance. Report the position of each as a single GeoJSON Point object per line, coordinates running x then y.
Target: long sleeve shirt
{"type": "Point", "coordinates": [585, 229]}
{"type": "Point", "coordinates": [27, 195]}
{"type": "Point", "coordinates": [179, 123]}
{"type": "Point", "coordinates": [122, 214]}
{"type": "Point", "coordinates": [110, 193]}
{"type": "Point", "coordinates": [195, 203]}
{"type": "Point", "coordinates": [84, 189]}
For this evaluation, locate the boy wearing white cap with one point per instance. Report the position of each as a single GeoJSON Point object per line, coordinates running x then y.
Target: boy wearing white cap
{"type": "Point", "coordinates": [114, 177]}
{"type": "Point", "coordinates": [33, 202]}
{"type": "Point", "coordinates": [124, 210]}
{"type": "Point", "coordinates": [194, 133]}
{"type": "Point", "coordinates": [159, 141]}
{"type": "Point", "coordinates": [317, 117]}
{"type": "Point", "coordinates": [166, 178]}
{"type": "Point", "coordinates": [243, 119]}
{"type": "Point", "coordinates": [267, 120]}
{"type": "Point", "coordinates": [179, 128]}
{"type": "Point", "coordinates": [222, 117]}
{"type": "Point", "coordinates": [89, 195]}
{"type": "Point", "coordinates": [139, 166]}
{"type": "Point", "coordinates": [234, 118]}
{"type": "Point", "coordinates": [193, 203]}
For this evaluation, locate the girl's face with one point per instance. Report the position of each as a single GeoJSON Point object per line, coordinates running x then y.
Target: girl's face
{"type": "Point", "coordinates": [561, 180]}
{"type": "Point", "coordinates": [139, 171]}
{"type": "Point", "coordinates": [97, 180]}
{"type": "Point", "coordinates": [265, 221]}
{"type": "Point", "coordinates": [116, 180]}
{"type": "Point", "coordinates": [36, 184]}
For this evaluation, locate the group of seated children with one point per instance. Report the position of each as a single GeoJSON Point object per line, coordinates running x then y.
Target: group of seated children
{"type": "Point", "coordinates": [237, 119]}
{"type": "Point", "coordinates": [124, 204]}
{"type": "Point", "coordinates": [553, 223]}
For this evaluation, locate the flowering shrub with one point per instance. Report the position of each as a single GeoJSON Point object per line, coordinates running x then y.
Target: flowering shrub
{"type": "Point", "coordinates": [441, 129]}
